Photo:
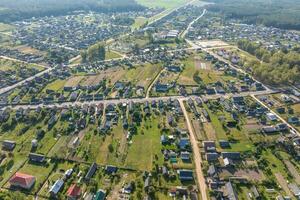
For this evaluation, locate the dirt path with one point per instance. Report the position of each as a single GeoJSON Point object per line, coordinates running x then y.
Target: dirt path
{"type": "Point", "coordinates": [153, 83]}
{"type": "Point", "coordinates": [196, 153]}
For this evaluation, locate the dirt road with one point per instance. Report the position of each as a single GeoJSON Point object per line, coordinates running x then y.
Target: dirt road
{"type": "Point", "coordinates": [196, 152]}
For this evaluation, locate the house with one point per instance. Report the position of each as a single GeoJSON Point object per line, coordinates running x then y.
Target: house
{"type": "Point", "coordinates": [294, 189]}
{"type": "Point", "coordinates": [173, 68]}
{"type": "Point", "coordinates": [147, 183]}
{"type": "Point", "coordinates": [56, 187]}
{"type": "Point", "coordinates": [231, 155]}
{"type": "Point", "coordinates": [33, 157]}
{"type": "Point", "coordinates": [209, 146]}
{"type": "Point", "coordinates": [74, 192]}
{"type": "Point", "coordinates": [185, 156]}
{"type": "Point", "coordinates": [165, 171]}
{"type": "Point", "coordinates": [224, 144]}
{"type": "Point", "coordinates": [294, 120]}
{"type": "Point", "coordinates": [280, 110]}
{"type": "Point", "coordinates": [269, 129]}
{"type": "Point", "coordinates": [161, 88]}
{"type": "Point", "coordinates": [282, 127]}
{"type": "Point", "coordinates": [8, 145]}
{"type": "Point", "coordinates": [239, 100]}
{"type": "Point", "coordinates": [211, 171]}
{"type": "Point", "coordinates": [184, 143]}
{"type": "Point", "coordinates": [210, 157]}
{"type": "Point", "coordinates": [109, 169]}
{"type": "Point", "coordinates": [186, 175]}
{"type": "Point", "coordinates": [271, 116]}
{"type": "Point", "coordinates": [228, 162]}
{"type": "Point", "coordinates": [100, 195]}
{"type": "Point", "coordinates": [164, 139]}
{"type": "Point", "coordinates": [21, 180]}
{"type": "Point", "coordinates": [68, 173]}
{"type": "Point", "coordinates": [255, 192]}
{"type": "Point", "coordinates": [91, 171]}
{"type": "Point", "coordinates": [230, 193]}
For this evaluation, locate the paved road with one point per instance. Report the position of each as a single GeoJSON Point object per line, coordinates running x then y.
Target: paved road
{"type": "Point", "coordinates": [168, 12]}
{"type": "Point", "coordinates": [277, 115]}
{"type": "Point", "coordinates": [232, 66]}
{"type": "Point", "coordinates": [136, 100]}
{"type": "Point", "coordinates": [196, 153]}
{"type": "Point", "coordinates": [6, 89]}
{"type": "Point", "coordinates": [192, 23]}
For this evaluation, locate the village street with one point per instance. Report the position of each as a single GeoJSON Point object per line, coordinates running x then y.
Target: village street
{"type": "Point", "coordinates": [197, 155]}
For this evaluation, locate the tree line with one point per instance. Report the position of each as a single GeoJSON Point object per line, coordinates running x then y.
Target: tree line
{"type": "Point", "coordinates": [277, 68]}
{"type": "Point", "coordinates": [277, 13]}
{"type": "Point", "coordinates": [94, 53]}
{"type": "Point", "coordinates": [13, 10]}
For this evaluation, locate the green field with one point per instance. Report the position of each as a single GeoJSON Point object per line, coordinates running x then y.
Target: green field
{"type": "Point", "coordinates": [41, 172]}
{"type": "Point", "coordinates": [145, 145]}
{"type": "Point", "coordinates": [138, 22]}
{"type": "Point", "coordinates": [168, 4]}
{"type": "Point", "coordinates": [6, 27]}
{"type": "Point", "coordinates": [111, 55]}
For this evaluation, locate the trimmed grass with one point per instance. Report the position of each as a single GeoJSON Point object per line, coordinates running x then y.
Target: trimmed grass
{"type": "Point", "coordinates": [11, 165]}
{"type": "Point", "coordinates": [41, 173]}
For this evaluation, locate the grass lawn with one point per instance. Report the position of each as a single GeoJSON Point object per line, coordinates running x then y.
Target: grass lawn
{"type": "Point", "coordinates": [186, 76]}
{"type": "Point", "coordinates": [55, 175]}
{"type": "Point", "coordinates": [6, 65]}
{"type": "Point", "coordinates": [60, 149]}
{"type": "Point", "coordinates": [111, 55]}
{"type": "Point", "coordinates": [275, 164]}
{"type": "Point", "coordinates": [56, 85]}
{"type": "Point", "coordinates": [11, 165]}
{"type": "Point", "coordinates": [49, 140]}
{"type": "Point", "coordinates": [242, 141]}
{"type": "Point", "coordinates": [145, 145]}
{"type": "Point", "coordinates": [6, 27]}
{"type": "Point", "coordinates": [138, 22]}
{"type": "Point", "coordinates": [96, 147]}
{"type": "Point", "coordinates": [41, 173]}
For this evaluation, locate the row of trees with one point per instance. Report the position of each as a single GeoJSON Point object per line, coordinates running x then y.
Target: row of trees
{"type": "Point", "coordinates": [278, 68]}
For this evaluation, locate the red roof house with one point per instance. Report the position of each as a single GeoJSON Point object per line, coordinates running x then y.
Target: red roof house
{"type": "Point", "coordinates": [74, 192]}
{"type": "Point", "coordinates": [21, 180]}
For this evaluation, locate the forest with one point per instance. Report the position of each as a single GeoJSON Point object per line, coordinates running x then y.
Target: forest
{"type": "Point", "coordinates": [277, 13]}
{"type": "Point", "coordinates": [277, 68]}
{"type": "Point", "coordinates": [12, 10]}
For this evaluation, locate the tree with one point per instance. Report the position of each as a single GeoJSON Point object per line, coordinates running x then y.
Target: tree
{"type": "Point", "coordinates": [96, 52]}
{"type": "Point", "coordinates": [83, 55]}
{"type": "Point", "coordinates": [110, 148]}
